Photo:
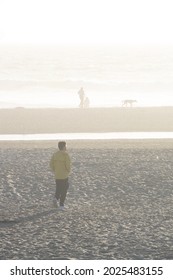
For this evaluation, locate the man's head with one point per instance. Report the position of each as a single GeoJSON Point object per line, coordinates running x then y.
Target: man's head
{"type": "Point", "coordinates": [62, 145]}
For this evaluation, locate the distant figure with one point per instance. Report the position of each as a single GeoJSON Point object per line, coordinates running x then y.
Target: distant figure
{"type": "Point", "coordinates": [86, 102]}
{"type": "Point", "coordinates": [82, 97]}
{"type": "Point", "coordinates": [60, 165]}
{"type": "Point", "coordinates": [128, 102]}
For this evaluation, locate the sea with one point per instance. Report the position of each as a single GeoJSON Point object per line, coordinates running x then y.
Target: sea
{"type": "Point", "coordinates": [88, 136]}
{"type": "Point", "coordinates": [51, 76]}
{"type": "Point", "coordinates": [44, 76]}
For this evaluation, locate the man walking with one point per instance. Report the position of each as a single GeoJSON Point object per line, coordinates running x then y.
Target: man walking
{"type": "Point", "coordinates": [60, 164]}
{"type": "Point", "coordinates": [82, 97]}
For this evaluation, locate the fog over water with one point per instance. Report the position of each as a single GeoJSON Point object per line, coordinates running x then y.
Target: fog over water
{"type": "Point", "coordinates": [45, 76]}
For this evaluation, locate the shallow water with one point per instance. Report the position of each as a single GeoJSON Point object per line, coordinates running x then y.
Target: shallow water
{"type": "Point", "coordinates": [87, 136]}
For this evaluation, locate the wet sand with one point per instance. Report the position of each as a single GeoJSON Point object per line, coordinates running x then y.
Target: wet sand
{"type": "Point", "coordinates": [119, 201]}
{"type": "Point", "coordinates": [120, 119]}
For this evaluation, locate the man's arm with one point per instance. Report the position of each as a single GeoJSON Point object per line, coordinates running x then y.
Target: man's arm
{"type": "Point", "coordinates": [68, 163]}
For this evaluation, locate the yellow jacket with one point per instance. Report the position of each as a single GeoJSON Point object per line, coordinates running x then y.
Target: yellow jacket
{"type": "Point", "coordinates": [60, 164]}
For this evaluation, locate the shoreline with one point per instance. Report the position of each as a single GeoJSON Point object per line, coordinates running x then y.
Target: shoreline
{"type": "Point", "coordinates": [92, 144]}
{"type": "Point", "coordinates": [76, 120]}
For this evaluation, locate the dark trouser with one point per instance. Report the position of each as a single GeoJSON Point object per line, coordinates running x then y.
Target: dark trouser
{"type": "Point", "coordinates": [61, 190]}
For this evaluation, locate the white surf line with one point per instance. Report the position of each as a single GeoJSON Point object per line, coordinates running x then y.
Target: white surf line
{"type": "Point", "coordinates": [87, 136]}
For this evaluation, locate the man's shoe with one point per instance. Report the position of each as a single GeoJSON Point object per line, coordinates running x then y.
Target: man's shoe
{"type": "Point", "coordinates": [61, 208]}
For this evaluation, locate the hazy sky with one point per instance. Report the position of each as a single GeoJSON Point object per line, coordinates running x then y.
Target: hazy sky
{"type": "Point", "coordinates": [86, 21]}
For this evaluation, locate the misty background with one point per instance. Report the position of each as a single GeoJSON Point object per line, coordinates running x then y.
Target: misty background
{"type": "Point", "coordinates": [115, 50]}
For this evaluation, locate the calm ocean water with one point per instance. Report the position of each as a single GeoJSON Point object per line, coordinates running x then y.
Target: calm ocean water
{"type": "Point", "coordinates": [52, 76]}
{"type": "Point", "coordinates": [87, 136]}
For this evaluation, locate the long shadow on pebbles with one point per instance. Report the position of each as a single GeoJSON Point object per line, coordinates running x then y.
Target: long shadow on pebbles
{"type": "Point", "coordinates": [9, 223]}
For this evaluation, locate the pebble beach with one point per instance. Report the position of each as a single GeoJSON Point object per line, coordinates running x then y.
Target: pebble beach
{"type": "Point", "coordinates": [119, 201]}
{"type": "Point", "coordinates": [118, 206]}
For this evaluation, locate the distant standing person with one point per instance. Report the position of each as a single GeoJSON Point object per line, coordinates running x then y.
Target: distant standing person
{"type": "Point", "coordinates": [60, 164]}
{"type": "Point", "coordinates": [81, 96]}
